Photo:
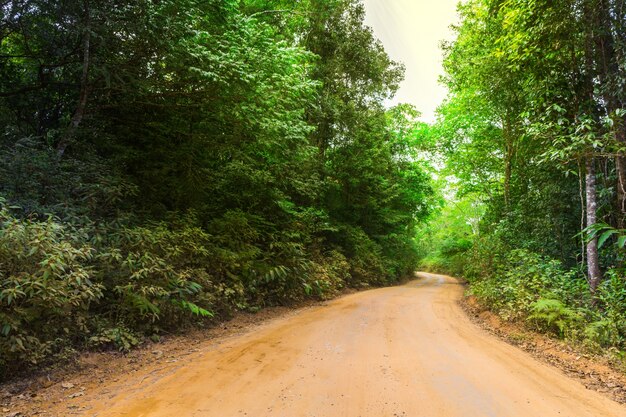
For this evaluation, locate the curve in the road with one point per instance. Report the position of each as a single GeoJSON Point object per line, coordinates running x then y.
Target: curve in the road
{"type": "Point", "coordinates": [401, 351]}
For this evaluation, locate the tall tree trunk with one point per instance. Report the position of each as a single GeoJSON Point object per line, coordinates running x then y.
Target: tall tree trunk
{"type": "Point", "coordinates": [508, 161]}
{"type": "Point", "coordinates": [620, 165]}
{"type": "Point", "coordinates": [606, 31]}
{"type": "Point", "coordinates": [593, 263]}
{"type": "Point", "coordinates": [77, 118]}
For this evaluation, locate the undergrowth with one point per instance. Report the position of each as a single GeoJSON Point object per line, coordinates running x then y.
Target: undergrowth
{"type": "Point", "coordinates": [69, 285]}
{"type": "Point", "coordinates": [524, 286]}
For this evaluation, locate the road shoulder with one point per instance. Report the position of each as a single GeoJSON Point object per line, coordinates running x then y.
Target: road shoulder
{"type": "Point", "coordinates": [597, 373]}
{"type": "Point", "coordinates": [70, 390]}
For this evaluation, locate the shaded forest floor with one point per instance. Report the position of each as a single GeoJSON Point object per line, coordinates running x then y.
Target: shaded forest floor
{"type": "Point", "coordinates": [598, 373]}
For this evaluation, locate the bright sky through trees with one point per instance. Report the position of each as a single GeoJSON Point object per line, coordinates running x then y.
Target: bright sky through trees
{"type": "Point", "coordinates": [411, 31]}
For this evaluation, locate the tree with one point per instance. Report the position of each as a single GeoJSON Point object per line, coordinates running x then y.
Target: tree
{"type": "Point", "coordinates": [527, 107]}
{"type": "Point", "coordinates": [194, 157]}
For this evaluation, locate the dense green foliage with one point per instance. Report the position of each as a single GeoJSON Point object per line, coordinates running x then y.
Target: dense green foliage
{"type": "Point", "coordinates": [533, 135]}
{"type": "Point", "coordinates": [166, 162]}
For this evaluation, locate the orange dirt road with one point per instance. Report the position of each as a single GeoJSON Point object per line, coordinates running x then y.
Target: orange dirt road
{"type": "Point", "coordinates": [406, 351]}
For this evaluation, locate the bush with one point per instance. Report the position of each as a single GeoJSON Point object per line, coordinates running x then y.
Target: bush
{"type": "Point", "coordinates": [156, 273]}
{"type": "Point", "coordinates": [328, 275]}
{"type": "Point", "coordinates": [526, 286]}
{"type": "Point", "coordinates": [604, 333]}
{"type": "Point", "coordinates": [520, 280]}
{"type": "Point", "coordinates": [46, 288]}
{"type": "Point", "coordinates": [118, 337]}
{"type": "Point", "coordinates": [553, 316]}
{"type": "Point", "coordinates": [63, 286]}
{"type": "Point", "coordinates": [611, 298]}
{"type": "Point", "coordinates": [484, 258]}
{"type": "Point", "coordinates": [369, 265]}
{"type": "Point", "coordinates": [108, 285]}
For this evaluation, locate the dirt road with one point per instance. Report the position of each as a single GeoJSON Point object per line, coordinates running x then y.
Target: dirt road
{"type": "Point", "coordinates": [402, 351]}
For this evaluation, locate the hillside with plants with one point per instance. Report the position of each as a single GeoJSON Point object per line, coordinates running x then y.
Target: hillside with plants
{"type": "Point", "coordinates": [164, 164]}
{"type": "Point", "coordinates": [532, 138]}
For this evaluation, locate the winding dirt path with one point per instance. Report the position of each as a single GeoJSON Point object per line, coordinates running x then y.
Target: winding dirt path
{"type": "Point", "coordinates": [406, 351]}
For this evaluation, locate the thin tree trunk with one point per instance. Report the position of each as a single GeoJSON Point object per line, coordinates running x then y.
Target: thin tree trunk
{"type": "Point", "coordinates": [609, 71]}
{"type": "Point", "coordinates": [507, 179]}
{"type": "Point", "coordinates": [620, 168]}
{"type": "Point", "coordinates": [508, 161]}
{"type": "Point", "coordinates": [620, 165]}
{"type": "Point", "coordinates": [581, 190]}
{"type": "Point", "coordinates": [593, 263]}
{"type": "Point", "coordinates": [77, 118]}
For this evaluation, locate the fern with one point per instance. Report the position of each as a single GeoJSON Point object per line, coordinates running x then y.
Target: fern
{"type": "Point", "coordinates": [603, 332]}
{"type": "Point", "coordinates": [553, 315]}
{"type": "Point", "coordinates": [194, 309]}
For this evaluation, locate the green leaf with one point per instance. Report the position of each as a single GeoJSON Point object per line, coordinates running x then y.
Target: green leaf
{"type": "Point", "coordinates": [605, 236]}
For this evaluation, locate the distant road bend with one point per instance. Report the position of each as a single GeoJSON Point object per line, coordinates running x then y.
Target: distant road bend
{"type": "Point", "coordinates": [405, 351]}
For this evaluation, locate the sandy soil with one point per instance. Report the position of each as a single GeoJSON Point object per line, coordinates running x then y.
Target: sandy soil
{"type": "Point", "coordinates": [403, 351]}
{"type": "Point", "coordinates": [601, 371]}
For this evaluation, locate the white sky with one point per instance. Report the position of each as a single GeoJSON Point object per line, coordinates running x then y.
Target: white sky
{"type": "Point", "coordinates": [411, 31]}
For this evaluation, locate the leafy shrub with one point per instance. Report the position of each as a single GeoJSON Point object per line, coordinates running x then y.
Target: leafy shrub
{"type": "Point", "coordinates": [328, 275]}
{"type": "Point", "coordinates": [57, 281]}
{"type": "Point", "coordinates": [365, 256]}
{"type": "Point", "coordinates": [553, 316]}
{"type": "Point", "coordinates": [484, 258]}
{"type": "Point", "coordinates": [157, 273]}
{"type": "Point", "coordinates": [522, 278]}
{"type": "Point", "coordinates": [120, 338]}
{"type": "Point", "coordinates": [525, 285]}
{"type": "Point", "coordinates": [611, 298]}
{"type": "Point", "coordinates": [46, 287]}
{"type": "Point", "coordinates": [603, 333]}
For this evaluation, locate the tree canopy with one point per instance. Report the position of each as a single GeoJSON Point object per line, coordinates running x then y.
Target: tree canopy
{"type": "Point", "coordinates": [532, 134]}
{"type": "Point", "coordinates": [166, 162]}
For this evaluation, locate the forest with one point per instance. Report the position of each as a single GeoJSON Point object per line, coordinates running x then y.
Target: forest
{"type": "Point", "coordinates": [165, 164]}
{"type": "Point", "coordinates": [531, 142]}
